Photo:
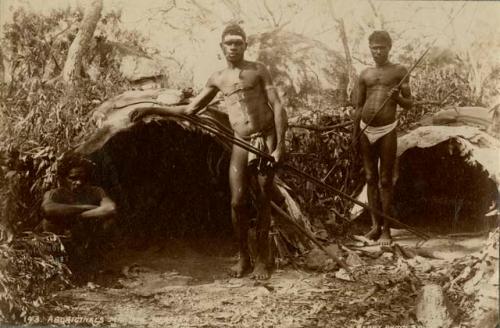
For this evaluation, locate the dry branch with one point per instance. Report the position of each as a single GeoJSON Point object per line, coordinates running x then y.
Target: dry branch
{"type": "Point", "coordinates": [338, 260]}
{"type": "Point", "coordinates": [321, 128]}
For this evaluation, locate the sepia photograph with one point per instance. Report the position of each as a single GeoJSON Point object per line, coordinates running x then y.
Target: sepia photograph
{"type": "Point", "coordinates": [263, 163]}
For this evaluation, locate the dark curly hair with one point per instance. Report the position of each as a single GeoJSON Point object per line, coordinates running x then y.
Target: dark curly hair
{"type": "Point", "coordinates": [234, 29]}
{"type": "Point", "coordinates": [380, 36]}
{"type": "Point", "coordinates": [72, 160]}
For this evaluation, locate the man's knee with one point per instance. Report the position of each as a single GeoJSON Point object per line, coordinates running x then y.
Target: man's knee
{"type": "Point", "coordinates": [108, 225]}
{"type": "Point", "coordinates": [47, 226]}
{"type": "Point", "coordinates": [265, 183]}
{"type": "Point", "coordinates": [386, 182]}
{"type": "Point", "coordinates": [371, 178]}
{"type": "Point", "coordinates": [50, 226]}
{"type": "Point", "coordinates": [238, 203]}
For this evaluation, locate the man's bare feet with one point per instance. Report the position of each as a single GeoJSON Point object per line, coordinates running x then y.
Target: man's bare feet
{"type": "Point", "coordinates": [260, 272]}
{"type": "Point", "coordinates": [241, 268]}
{"type": "Point", "coordinates": [374, 233]}
{"type": "Point", "coordinates": [385, 238]}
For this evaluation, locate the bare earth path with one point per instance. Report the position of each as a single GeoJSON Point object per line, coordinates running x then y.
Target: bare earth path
{"type": "Point", "coordinates": [185, 286]}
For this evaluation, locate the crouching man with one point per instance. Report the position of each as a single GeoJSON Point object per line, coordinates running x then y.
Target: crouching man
{"type": "Point", "coordinates": [77, 209]}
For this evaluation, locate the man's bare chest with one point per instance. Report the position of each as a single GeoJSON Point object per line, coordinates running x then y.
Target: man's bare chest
{"type": "Point", "coordinates": [238, 80]}
{"type": "Point", "coordinates": [382, 77]}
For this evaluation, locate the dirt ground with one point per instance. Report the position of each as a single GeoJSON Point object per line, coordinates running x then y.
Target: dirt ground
{"type": "Point", "coordinates": [185, 284]}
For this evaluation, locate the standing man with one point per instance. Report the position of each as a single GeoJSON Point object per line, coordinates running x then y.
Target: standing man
{"type": "Point", "coordinates": [378, 140]}
{"type": "Point", "coordinates": [256, 116]}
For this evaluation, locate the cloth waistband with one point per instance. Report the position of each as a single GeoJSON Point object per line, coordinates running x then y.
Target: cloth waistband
{"type": "Point", "coordinates": [373, 133]}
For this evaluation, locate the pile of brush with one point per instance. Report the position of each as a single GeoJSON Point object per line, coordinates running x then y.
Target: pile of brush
{"type": "Point", "coordinates": [31, 268]}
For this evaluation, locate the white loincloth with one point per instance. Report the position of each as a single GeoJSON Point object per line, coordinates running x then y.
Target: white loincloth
{"type": "Point", "coordinates": [373, 133]}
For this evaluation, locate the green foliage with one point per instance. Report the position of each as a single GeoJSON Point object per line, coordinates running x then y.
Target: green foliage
{"type": "Point", "coordinates": [33, 43]}
{"type": "Point", "coordinates": [434, 87]}
{"type": "Point", "coordinates": [39, 117]}
{"type": "Point", "coordinates": [319, 153]}
{"type": "Point", "coordinates": [311, 75]}
{"type": "Point", "coordinates": [31, 268]}
{"type": "Point", "coordinates": [435, 84]}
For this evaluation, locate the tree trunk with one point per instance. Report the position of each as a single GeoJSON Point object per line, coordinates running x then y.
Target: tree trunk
{"type": "Point", "coordinates": [80, 44]}
{"type": "Point", "coordinates": [351, 72]}
{"type": "Point", "coordinates": [2, 68]}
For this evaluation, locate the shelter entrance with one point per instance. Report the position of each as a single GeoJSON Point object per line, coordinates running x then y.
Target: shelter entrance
{"type": "Point", "coordinates": [440, 189]}
{"type": "Point", "coordinates": [167, 181]}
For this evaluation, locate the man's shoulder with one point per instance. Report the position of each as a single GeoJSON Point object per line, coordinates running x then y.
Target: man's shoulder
{"type": "Point", "coordinates": [400, 67]}
{"type": "Point", "coordinates": [95, 190]}
{"type": "Point", "coordinates": [215, 77]}
{"type": "Point", "coordinates": [55, 192]}
{"type": "Point", "coordinates": [366, 71]}
{"type": "Point", "coordinates": [57, 195]}
{"type": "Point", "coordinates": [256, 65]}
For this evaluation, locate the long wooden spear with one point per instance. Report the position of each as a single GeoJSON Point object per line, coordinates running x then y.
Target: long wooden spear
{"type": "Point", "coordinates": [379, 109]}
{"type": "Point", "coordinates": [228, 136]}
{"type": "Point", "coordinates": [310, 236]}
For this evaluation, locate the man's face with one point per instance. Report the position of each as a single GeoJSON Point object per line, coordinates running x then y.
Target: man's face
{"type": "Point", "coordinates": [380, 52]}
{"type": "Point", "coordinates": [233, 47]}
{"type": "Point", "coordinates": [76, 179]}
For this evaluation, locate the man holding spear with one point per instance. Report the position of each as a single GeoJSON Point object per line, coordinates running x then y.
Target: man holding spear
{"type": "Point", "coordinates": [257, 118]}
{"type": "Point", "coordinates": [380, 90]}
{"type": "Point", "coordinates": [258, 124]}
